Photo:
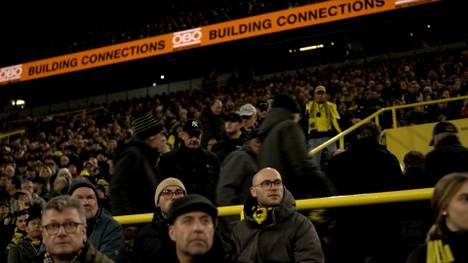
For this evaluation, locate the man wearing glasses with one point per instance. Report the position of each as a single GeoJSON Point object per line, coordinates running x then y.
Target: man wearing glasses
{"type": "Point", "coordinates": [272, 229]}
{"type": "Point", "coordinates": [153, 240]}
{"type": "Point", "coordinates": [64, 233]}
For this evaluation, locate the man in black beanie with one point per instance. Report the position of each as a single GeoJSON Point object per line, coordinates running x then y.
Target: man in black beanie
{"type": "Point", "coordinates": [135, 179]}
{"type": "Point", "coordinates": [284, 148]}
{"type": "Point", "coordinates": [102, 230]}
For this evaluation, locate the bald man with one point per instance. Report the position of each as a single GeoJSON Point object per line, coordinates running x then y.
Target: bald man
{"type": "Point", "coordinates": [273, 231]}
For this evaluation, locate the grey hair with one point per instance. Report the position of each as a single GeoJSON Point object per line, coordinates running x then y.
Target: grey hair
{"type": "Point", "coordinates": [62, 202]}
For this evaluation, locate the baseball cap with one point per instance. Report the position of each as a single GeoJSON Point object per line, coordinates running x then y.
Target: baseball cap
{"type": "Point", "coordinates": [442, 127]}
{"type": "Point", "coordinates": [232, 117]}
{"type": "Point", "coordinates": [247, 110]}
{"type": "Point", "coordinates": [320, 88]}
{"type": "Point", "coordinates": [192, 125]}
{"type": "Point", "coordinates": [191, 203]}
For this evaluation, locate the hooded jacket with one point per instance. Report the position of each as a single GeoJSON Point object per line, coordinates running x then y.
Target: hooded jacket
{"type": "Point", "coordinates": [284, 148]}
{"type": "Point", "coordinates": [288, 237]}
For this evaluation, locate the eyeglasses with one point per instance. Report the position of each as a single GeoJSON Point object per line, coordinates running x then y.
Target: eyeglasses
{"type": "Point", "coordinates": [169, 193]}
{"type": "Point", "coordinates": [269, 184]}
{"type": "Point", "coordinates": [69, 227]}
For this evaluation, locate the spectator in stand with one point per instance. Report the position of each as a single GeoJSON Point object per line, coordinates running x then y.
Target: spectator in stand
{"type": "Point", "coordinates": [197, 168]}
{"type": "Point", "coordinates": [152, 241]}
{"type": "Point", "coordinates": [235, 178]}
{"type": "Point", "coordinates": [366, 167]}
{"type": "Point", "coordinates": [248, 113]}
{"type": "Point", "coordinates": [231, 137]}
{"type": "Point", "coordinates": [135, 179]}
{"type": "Point", "coordinates": [367, 161]}
{"type": "Point", "coordinates": [28, 247]}
{"type": "Point", "coordinates": [448, 155]}
{"type": "Point", "coordinates": [284, 149]}
{"type": "Point", "coordinates": [414, 170]}
{"type": "Point", "coordinates": [102, 230]}
{"type": "Point", "coordinates": [64, 233]}
{"type": "Point", "coordinates": [273, 231]}
{"type": "Point", "coordinates": [323, 119]}
{"type": "Point", "coordinates": [192, 223]}
{"type": "Point", "coordinates": [448, 236]}
{"type": "Point", "coordinates": [212, 122]}
{"type": "Point", "coordinates": [263, 107]}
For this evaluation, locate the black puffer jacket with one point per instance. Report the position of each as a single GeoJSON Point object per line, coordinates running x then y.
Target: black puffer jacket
{"type": "Point", "coordinates": [290, 237]}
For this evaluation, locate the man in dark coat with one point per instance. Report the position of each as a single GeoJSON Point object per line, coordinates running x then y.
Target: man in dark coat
{"type": "Point", "coordinates": [448, 155]}
{"type": "Point", "coordinates": [134, 181]}
{"type": "Point", "coordinates": [197, 168]}
{"type": "Point", "coordinates": [64, 233]}
{"type": "Point", "coordinates": [152, 241]}
{"type": "Point", "coordinates": [273, 231]}
{"type": "Point", "coordinates": [28, 247]}
{"type": "Point", "coordinates": [366, 167]}
{"type": "Point", "coordinates": [103, 231]}
{"type": "Point", "coordinates": [284, 148]}
{"type": "Point", "coordinates": [192, 223]}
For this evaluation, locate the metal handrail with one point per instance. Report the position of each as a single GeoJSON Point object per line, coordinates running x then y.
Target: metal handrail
{"type": "Point", "coordinates": [375, 116]}
{"type": "Point", "coordinates": [325, 202]}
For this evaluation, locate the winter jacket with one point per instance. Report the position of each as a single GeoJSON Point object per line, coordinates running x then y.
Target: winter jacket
{"type": "Point", "coordinates": [106, 235]}
{"type": "Point", "coordinates": [284, 148]}
{"type": "Point", "coordinates": [457, 242]}
{"type": "Point", "coordinates": [24, 252]}
{"type": "Point", "coordinates": [448, 156]}
{"type": "Point", "coordinates": [89, 254]}
{"type": "Point", "coordinates": [152, 241]}
{"type": "Point", "coordinates": [197, 168]}
{"type": "Point", "coordinates": [134, 182]}
{"type": "Point", "coordinates": [289, 237]}
{"type": "Point", "coordinates": [235, 177]}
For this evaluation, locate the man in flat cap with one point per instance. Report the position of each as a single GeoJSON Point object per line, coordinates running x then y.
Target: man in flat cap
{"type": "Point", "coordinates": [134, 182]}
{"type": "Point", "coordinates": [192, 223]}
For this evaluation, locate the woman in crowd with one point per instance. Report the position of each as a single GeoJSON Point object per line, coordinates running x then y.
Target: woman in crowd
{"type": "Point", "coordinates": [448, 238]}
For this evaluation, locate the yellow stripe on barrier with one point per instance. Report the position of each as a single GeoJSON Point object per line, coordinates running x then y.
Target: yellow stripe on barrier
{"type": "Point", "coordinates": [326, 202]}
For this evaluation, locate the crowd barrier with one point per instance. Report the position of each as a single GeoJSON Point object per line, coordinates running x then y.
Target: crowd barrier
{"type": "Point", "coordinates": [325, 202]}
{"type": "Point", "coordinates": [375, 116]}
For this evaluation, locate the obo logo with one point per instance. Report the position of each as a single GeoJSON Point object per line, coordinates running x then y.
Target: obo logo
{"type": "Point", "coordinates": [11, 73]}
{"type": "Point", "coordinates": [187, 37]}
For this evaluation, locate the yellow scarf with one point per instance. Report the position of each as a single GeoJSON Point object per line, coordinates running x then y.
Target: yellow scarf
{"type": "Point", "coordinates": [438, 252]}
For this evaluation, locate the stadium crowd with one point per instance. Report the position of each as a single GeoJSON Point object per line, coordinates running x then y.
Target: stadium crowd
{"type": "Point", "coordinates": [214, 141]}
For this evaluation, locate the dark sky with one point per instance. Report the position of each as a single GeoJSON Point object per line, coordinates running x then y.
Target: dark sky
{"type": "Point", "coordinates": [48, 33]}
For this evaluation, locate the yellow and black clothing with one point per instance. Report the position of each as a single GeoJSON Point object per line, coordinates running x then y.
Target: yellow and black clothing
{"type": "Point", "coordinates": [323, 119]}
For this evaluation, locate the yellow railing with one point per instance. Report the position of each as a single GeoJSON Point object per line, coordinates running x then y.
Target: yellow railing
{"type": "Point", "coordinates": [326, 202]}
{"type": "Point", "coordinates": [82, 112]}
{"type": "Point", "coordinates": [7, 134]}
{"type": "Point", "coordinates": [375, 116]}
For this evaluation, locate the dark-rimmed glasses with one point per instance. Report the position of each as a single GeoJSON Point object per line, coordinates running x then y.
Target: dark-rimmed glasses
{"type": "Point", "coordinates": [169, 193]}
{"type": "Point", "coordinates": [269, 184]}
{"type": "Point", "coordinates": [69, 227]}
